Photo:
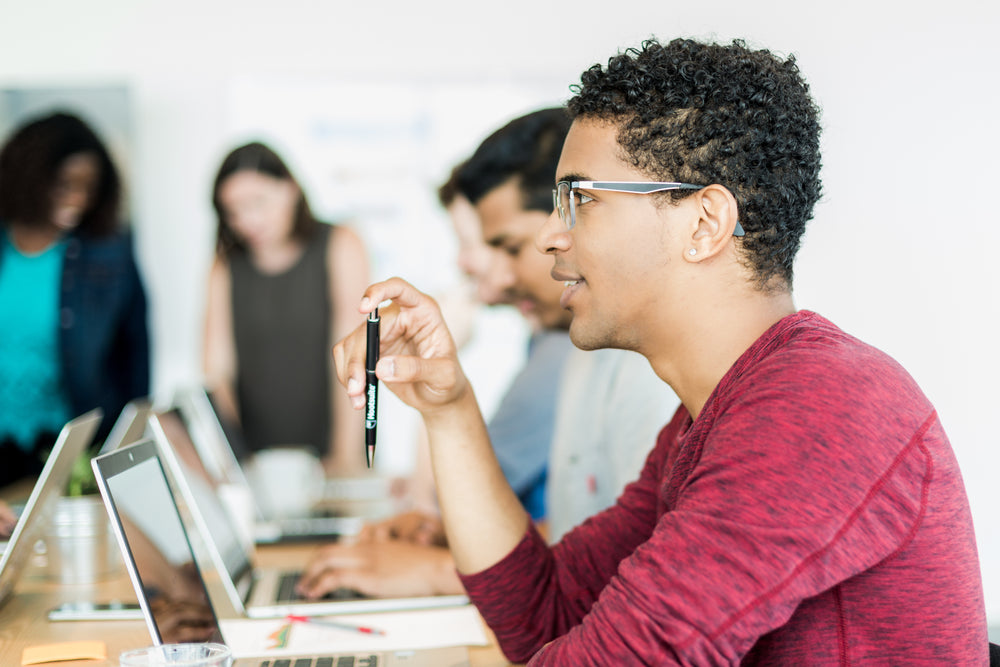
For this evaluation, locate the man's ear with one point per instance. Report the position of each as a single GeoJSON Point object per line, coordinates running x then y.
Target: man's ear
{"type": "Point", "coordinates": [718, 217]}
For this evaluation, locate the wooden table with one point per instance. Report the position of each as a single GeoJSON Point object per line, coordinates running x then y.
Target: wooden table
{"type": "Point", "coordinates": [23, 620]}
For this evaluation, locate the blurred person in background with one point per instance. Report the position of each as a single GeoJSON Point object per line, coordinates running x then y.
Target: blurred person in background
{"type": "Point", "coordinates": [282, 288]}
{"type": "Point", "coordinates": [74, 330]}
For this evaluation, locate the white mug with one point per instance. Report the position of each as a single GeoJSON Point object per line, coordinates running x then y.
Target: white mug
{"type": "Point", "coordinates": [288, 481]}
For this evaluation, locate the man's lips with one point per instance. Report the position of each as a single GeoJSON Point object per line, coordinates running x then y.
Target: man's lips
{"type": "Point", "coordinates": [564, 276]}
{"type": "Point", "coordinates": [573, 283]}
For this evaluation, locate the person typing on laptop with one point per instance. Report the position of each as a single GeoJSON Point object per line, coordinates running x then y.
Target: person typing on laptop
{"type": "Point", "coordinates": [804, 504]}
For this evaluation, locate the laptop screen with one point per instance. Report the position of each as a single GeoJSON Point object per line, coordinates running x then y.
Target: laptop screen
{"type": "Point", "coordinates": [218, 523]}
{"type": "Point", "coordinates": [160, 559]}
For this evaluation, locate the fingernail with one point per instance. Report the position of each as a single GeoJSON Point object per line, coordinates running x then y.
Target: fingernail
{"type": "Point", "coordinates": [365, 303]}
{"type": "Point", "coordinates": [353, 385]}
{"type": "Point", "coordinates": [387, 368]}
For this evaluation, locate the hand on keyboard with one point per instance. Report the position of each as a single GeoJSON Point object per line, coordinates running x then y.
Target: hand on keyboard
{"type": "Point", "coordinates": [393, 568]}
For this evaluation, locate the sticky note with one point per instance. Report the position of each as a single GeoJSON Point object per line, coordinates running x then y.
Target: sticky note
{"type": "Point", "coordinates": [83, 650]}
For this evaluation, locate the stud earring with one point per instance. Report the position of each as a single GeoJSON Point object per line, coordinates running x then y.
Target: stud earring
{"type": "Point", "coordinates": [692, 252]}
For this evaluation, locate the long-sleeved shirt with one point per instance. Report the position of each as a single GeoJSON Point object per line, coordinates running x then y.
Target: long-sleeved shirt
{"type": "Point", "coordinates": [812, 514]}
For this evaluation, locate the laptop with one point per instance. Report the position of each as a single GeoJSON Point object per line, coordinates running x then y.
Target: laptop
{"type": "Point", "coordinates": [252, 591]}
{"type": "Point", "coordinates": [130, 426]}
{"type": "Point", "coordinates": [218, 454]}
{"type": "Point", "coordinates": [170, 585]}
{"type": "Point", "coordinates": [73, 439]}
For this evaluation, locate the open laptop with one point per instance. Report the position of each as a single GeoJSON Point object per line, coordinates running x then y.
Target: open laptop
{"type": "Point", "coordinates": [252, 591]}
{"type": "Point", "coordinates": [219, 458]}
{"type": "Point", "coordinates": [171, 587]}
{"type": "Point", "coordinates": [74, 438]}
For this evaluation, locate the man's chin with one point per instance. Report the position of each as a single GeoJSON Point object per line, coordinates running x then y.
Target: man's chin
{"type": "Point", "coordinates": [586, 339]}
{"type": "Point", "coordinates": [581, 339]}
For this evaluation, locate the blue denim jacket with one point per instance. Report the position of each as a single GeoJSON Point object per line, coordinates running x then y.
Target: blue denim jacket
{"type": "Point", "coordinates": [104, 336]}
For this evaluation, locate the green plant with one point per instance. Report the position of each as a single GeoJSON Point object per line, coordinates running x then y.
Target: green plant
{"type": "Point", "coordinates": [81, 478]}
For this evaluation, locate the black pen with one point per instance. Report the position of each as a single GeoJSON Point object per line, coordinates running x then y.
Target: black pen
{"type": "Point", "coordinates": [371, 386]}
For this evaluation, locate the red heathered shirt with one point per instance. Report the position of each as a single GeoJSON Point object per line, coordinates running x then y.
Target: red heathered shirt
{"type": "Point", "coordinates": [813, 514]}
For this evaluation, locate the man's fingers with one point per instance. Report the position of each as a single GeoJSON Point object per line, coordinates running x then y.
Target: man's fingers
{"type": "Point", "coordinates": [395, 289]}
{"type": "Point", "coordinates": [438, 375]}
{"type": "Point", "coordinates": [332, 580]}
{"type": "Point", "coordinates": [332, 557]}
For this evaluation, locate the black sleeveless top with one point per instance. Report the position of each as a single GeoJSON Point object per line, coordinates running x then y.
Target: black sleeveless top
{"type": "Point", "coordinates": [281, 325]}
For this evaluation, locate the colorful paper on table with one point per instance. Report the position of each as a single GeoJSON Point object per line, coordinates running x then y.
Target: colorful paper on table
{"type": "Point", "coordinates": [81, 650]}
{"type": "Point", "coordinates": [426, 628]}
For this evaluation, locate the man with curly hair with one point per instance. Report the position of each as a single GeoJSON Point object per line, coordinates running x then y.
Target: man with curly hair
{"type": "Point", "coordinates": [804, 505]}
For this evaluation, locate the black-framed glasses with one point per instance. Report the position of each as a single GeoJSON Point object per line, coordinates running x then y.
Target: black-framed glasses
{"type": "Point", "coordinates": [564, 195]}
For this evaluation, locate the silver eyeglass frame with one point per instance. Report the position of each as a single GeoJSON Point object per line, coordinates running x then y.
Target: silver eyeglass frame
{"type": "Point", "coordinates": [629, 187]}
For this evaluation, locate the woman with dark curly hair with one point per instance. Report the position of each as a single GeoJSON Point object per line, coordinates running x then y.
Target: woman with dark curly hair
{"type": "Point", "coordinates": [804, 505]}
{"type": "Point", "coordinates": [73, 308]}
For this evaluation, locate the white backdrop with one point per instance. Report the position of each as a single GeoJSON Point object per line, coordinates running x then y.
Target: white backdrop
{"type": "Point", "coordinates": [902, 250]}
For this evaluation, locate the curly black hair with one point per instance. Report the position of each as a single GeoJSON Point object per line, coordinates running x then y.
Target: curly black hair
{"type": "Point", "coordinates": [710, 113]}
{"type": "Point", "coordinates": [29, 167]}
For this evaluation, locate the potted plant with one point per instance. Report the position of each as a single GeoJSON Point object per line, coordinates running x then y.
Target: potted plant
{"type": "Point", "coordinates": [79, 545]}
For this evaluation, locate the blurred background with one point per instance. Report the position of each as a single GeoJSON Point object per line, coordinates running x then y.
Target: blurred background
{"type": "Point", "coordinates": [373, 103]}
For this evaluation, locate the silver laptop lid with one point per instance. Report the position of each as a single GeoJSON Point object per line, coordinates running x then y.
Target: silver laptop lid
{"type": "Point", "coordinates": [130, 425]}
{"type": "Point", "coordinates": [227, 552]}
{"type": "Point", "coordinates": [74, 438]}
{"type": "Point", "coordinates": [155, 545]}
{"type": "Point", "coordinates": [209, 436]}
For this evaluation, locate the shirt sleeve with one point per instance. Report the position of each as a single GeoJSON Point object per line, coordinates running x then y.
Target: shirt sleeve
{"type": "Point", "coordinates": [537, 593]}
{"type": "Point", "coordinates": [793, 490]}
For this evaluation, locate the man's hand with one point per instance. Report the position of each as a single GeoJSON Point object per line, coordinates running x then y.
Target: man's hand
{"type": "Point", "coordinates": [418, 359]}
{"type": "Point", "coordinates": [381, 569]}
{"type": "Point", "coordinates": [483, 517]}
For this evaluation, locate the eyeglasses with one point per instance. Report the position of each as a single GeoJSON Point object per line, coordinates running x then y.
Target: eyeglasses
{"type": "Point", "coordinates": [564, 195]}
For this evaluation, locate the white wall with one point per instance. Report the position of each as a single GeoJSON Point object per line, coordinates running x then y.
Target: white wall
{"type": "Point", "coordinates": [902, 249]}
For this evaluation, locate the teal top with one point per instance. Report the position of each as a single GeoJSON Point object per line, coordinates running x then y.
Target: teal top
{"type": "Point", "coordinates": [33, 398]}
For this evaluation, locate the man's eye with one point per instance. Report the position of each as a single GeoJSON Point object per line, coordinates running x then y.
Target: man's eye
{"type": "Point", "coordinates": [513, 250]}
{"type": "Point", "coordinates": [581, 198]}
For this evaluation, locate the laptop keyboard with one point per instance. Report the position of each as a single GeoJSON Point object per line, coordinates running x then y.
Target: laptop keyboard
{"type": "Point", "coordinates": [343, 661]}
{"type": "Point", "coordinates": [287, 593]}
